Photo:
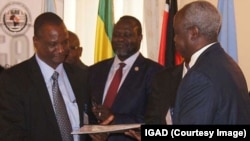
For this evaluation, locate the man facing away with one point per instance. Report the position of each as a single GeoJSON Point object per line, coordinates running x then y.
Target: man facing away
{"type": "Point", "coordinates": [213, 89]}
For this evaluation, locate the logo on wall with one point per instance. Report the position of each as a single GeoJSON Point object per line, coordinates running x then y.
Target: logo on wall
{"type": "Point", "coordinates": [15, 18]}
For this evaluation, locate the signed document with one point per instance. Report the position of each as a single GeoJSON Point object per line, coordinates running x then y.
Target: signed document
{"type": "Point", "coordinates": [90, 129]}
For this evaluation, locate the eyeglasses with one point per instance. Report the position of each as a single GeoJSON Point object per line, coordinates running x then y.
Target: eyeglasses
{"type": "Point", "coordinates": [74, 47]}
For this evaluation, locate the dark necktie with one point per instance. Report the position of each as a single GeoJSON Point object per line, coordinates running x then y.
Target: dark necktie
{"type": "Point", "coordinates": [112, 91]}
{"type": "Point", "coordinates": [61, 111]}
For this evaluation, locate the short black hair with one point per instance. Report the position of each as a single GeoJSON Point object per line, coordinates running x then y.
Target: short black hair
{"type": "Point", "coordinates": [46, 18]}
{"type": "Point", "coordinates": [134, 20]}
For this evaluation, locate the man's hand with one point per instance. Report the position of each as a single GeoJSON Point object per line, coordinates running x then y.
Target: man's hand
{"type": "Point", "coordinates": [133, 134]}
{"type": "Point", "coordinates": [104, 117]}
{"type": "Point", "coordinates": [103, 114]}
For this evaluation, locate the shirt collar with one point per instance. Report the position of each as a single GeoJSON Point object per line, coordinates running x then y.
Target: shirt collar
{"type": "Point", "coordinates": [129, 61]}
{"type": "Point", "coordinates": [46, 70]}
{"type": "Point", "coordinates": [196, 55]}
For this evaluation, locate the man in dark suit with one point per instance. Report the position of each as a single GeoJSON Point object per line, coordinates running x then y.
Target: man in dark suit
{"type": "Point", "coordinates": [131, 98]}
{"type": "Point", "coordinates": [27, 111]}
{"type": "Point", "coordinates": [214, 89]}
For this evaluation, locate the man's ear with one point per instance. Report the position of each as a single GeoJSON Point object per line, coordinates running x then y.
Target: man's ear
{"type": "Point", "coordinates": [35, 41]}
{"type": "Point", "coordinates": [194, 32]}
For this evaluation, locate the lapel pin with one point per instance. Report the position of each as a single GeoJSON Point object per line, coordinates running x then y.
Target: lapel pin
{"type": "Point", "coordinates": [136, 68]}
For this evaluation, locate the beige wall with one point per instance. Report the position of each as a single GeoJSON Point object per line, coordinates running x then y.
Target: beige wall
{"type": "Point", "coordinates": [86, 21]}
{"type": "Point", "coordinates": [243, 32]}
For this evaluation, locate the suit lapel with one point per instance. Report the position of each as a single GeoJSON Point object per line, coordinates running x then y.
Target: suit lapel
{"type": "Point", "coordinates": [133, 73]}
{"type": "Point", "coordinates": [214, 48]}
{"type": "Point", "coordinates": [41, 90]}
{"type": "Point", "coordinates": [102, 78]}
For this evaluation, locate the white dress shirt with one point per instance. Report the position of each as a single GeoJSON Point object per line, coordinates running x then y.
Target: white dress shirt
{"type": "Point", "coordinates": [129, 63]}
{"type": "Point", "coordinates": [66, 91]}
{"type": "Point", "coordinates": [194, 58]}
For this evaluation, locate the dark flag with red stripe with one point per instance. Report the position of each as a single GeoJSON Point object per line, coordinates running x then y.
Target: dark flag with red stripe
{"type": "Point", "coordinates": [167, 54]}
